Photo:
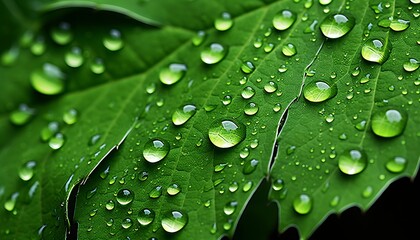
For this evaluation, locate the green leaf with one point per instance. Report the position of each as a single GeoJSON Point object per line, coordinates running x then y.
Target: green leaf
{"type": "Point", "coordinates": [300, 101]}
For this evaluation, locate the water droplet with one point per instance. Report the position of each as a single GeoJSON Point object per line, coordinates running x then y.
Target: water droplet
{"type": "Point", "coordinates": [247, 186]}
{"type": "Point", "coordinates": [268, 47]}
{"type": "Point", "coordinates": [224, 22]}
{"type": "Point", "coordinates": [412, 65]}
{"type": "Point", "coordinates": [155, 150]}
{"type": "Point", "coordinates": [375, 50]}
{"type": "Point", "coordinates": [226, 133]}
{"type": "Point", "coordinates": [49, 80]}
{"type": "Point", "coordinates": [396, 164]}
{"type": "Point", "coordinates": [248, 92]}
{"type": "Point", "coordinates": [173, 189]}
{"type": "Point", "coordinates": [143, 176]}
{"type": "Point", "coordinates": [277, 107]}
{"type": "Point", "coordinates": [10, 204]}
{"type": "Point", "coordinates": [227, 100]}
{"type": "Point", "coordinates": [270, 87]}
{"type": "Point", "coordinates": [10, 56]}
{"type": "Point", "coordinates": [389, 123]}
{"type": "Point", "coordinates": [415, 1]}
{"type": "Point", "coordinates": [74, 58]}
{"type": "Point", "coordinates": [258, 42]}
{"type": "Point", "coordinates": [97, 66]}
{"type": "Point", "coordinates": [125, 196]}
{"type": "Point", "coordinates": [319, 91]}
{"type": "Point", "coordinates": [284, 19]}
{"type": "Point", "coordinates": [145, 216]}
{"type": "Point", "coordinates": [230, 208]}
{"type": "Point", "coordinates": [244, 153]}
{"type": "Point", "coordinates": [70, 116]}
{"type": "Point", "coordinates": [302, 204]}
{"type": "Point", "coordinates": [22, 115]}
{"type": "Point", "coordinates": [367, 192]}
{"type": "Point", "coordinates": [334, 201]}
{"type": "Point", "coordinates": [182, 115]}
{"type": "Point", "coordinates": [38, 47]}
{"type": "Point", "coordinates": [57, 141]}
{"type": "Point", "coordinates": [61, 34]}
{"type": "Point", "coordinates": [250, 166]}
{"type": "Point", "coordinates": [325, 2]}
{"type": "Point", "coordinates": [27, 170]}
{"type": "Point", "coordinates": [233, 187]}
{"type": "Point", "coordinates": [399, 25]}
{"type": "Point", "coordinates": [156, 192]}
{"type": "Point", "coordinates": [173, 73]}
{"type": "Point", "coordinates": [213, 53]}
{"type": "Point", "coordinates": [127, 223]}
{"type": "Point", "coordinates": [113, 41]}
{"type": "Point", "coordinates": [110, 205]}
{"type": "Point", "coordinates": [251, 109]}
{"type": "Point", "coordinates": [247, 67]}
{"type": "Point", "coordinates": [289, 50]}
{"type": "Point", "coordinates": [174, 221]}
{"type": "Point", "coordinates": [352, 161]}
{"type": "Point", "coordinates": [199, 38]}
{"type": "Point", "coordinates": [337, 25]}
{"type": "Point", "coordinates": [277, 185]}
{"type": "Point", "coordinates": [355, 72]}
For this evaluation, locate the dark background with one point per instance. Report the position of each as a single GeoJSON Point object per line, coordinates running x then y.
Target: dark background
{"type": "Point", "coordinates": [395, 215]}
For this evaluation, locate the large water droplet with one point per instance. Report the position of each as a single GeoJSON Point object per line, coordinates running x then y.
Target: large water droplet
{"type": "Point", "coordinates": [27, 170]}
{"type": "Point", "coordinates": [302, 204]}
{"type": "Point", "coordinates": [49, 80]}
{"type": "Point", "coordinates": [284, 19]}
{"type": "Point", "coordinates": [61, 34]}
{"type": "Point", "coordinates": [74, 58]}
{"type": "Point", "coordinates": [22, 115]}
{"type": "Point", "coordinates": [352, 161]}
{"type": "Point", "coordinates": [412, 65]}
{"type": "Point", "coordinates": [146, 216]}
{"type": "Point", "coordinates": [174, 221]}
{"type": "Point", "coordinates": [389, 122]}
{"type": "Point", "coordinates": [173, 73]}
{"type": "Point", "coordinates": [376, 50]}
{"type": "Point", "coordinates": [396, 164]}
{"type": "Point", "coordinates": [226, 133]}
{"type": "Point", "coordinates": [319, 91]}
{"type": "Point", "coordinates": [155, 150]}
{"type": "Point", "coordinates": [182, 115]}
{"type": "Point", "coordinates": [125, 196]}
{"type": "Point", "coordinates": [399, 25]}
{"type": "Point", "coordinates": [213, 53]}
{"type": "Point", "coordinates": [224, 22]}
{"type": "Point", "coordinates": [337, 25]}
{"type": "Point", "coordinates": [113, 41]}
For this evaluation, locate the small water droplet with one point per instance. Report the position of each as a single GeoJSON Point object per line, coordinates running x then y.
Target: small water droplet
{"type": "Point", "coordinates": [182, 115]}
{"type": "Point", "coordinates": [199, 38]}
{"type": "Point", "coordinates": [22, 115]}
{"type": "Point", "coordinates": [334, 201]}
{"type": "Point", "coordinates": [27, 170]}
{"type": "Point", "coordinates": [113, 41]}
{"type": "Point", "coordinates": [97, 66]}
{"type": "Point", "coordinates": [156, 192]}
{"type": "Point", "coordinates": [367, 192]}
{"type": "Point", "coordinates": [233, 187]}
{"type": "Point", "coordinates": [375, 50]}
{"type": "Point", "coordinates": [337, 25]}
{"type": "Point", "coordinates": [56, 141]}
{"type": "Point", "coordinates": [70, 116]}
{"type": "Point", "coordinates": [226, 133]}
{"type": "Point", "coordinates": [173, 189]}
{"type": "Point", "coordinates": [284, 19]}
{"type": "Point", "coordinates": [143, 176]}
{"type": "Point", "coordinates": [230, 208]}
{"type": "Point", "coordinates": [155, 150]}
{"type": "Point", "coordinates": [277, 185]}
{"type": "Point", "coordinates": [127, 223]}
{"type": "Point", "coordinates": [38, 46]}
{"type": "Point", "coordinates": [61, 34]}
{"type": "Point", "coordinates": [227, 100]}
{"type": "Point", "coordinates": [213, 53]}
{"type": "Point", "coordinates": [389, 122]}
{"type": "Point", "coordinates": [173, 73]}
{"type": "Point", "coordinates": [10, 204]}
{"type": "Point", "coordinates": [270, 87]}
{"type": "Point", "coordinates": [49, 80]}
{"type": "Point", "coordinates": [74, 57]}
{"type": "Point", "coordinates": [224, 22]}
{"type": "Point", "coordinates": [145, 216]}
{"type": "Point", "coordinates": [289, 50]}
{"type": "Point", "coordinates": [302, 204]}
{"type": "Point", "coordinates": [352, 161]}
{"type": "Point", "coordinates": [251, 109]}
{"type": "Point", "coordinates": [174, 221]}
{"type": "Point", "coordinates": [319, 91]}
{"type": "Point", "coordinates": [110, 205]}
{"type": "Point", "coordinates": [250, 166]}
{"type": "Point", "coordinates": [412, 65]}
{"type": "Point", "coordinates": [247, 186]}
{"type": "Point", "coordinates": [125, 196]}
{"type": "Point", "coordinates": [248, 92]}
{"type": "Point", "coordinates": [396, 164]}
{"type": "Point", "coordinates": [399, 25]}
{"type": "Point", "coordinates": [247, 67]}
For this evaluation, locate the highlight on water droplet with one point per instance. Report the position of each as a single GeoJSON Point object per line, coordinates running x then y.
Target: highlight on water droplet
{"type": "Point", "coordinates": [352, 161]}
{"type": "Point", "coordinates": [173, 73]}
{"type": "Point", "coordinates": [302, 204]}
{"type": "Point", "coordinates": [146, 216]}
{"type": "Point", "coordinates": [213, 53]}
{"type": "Point", "coordinates": [319, 91]}
{"type": "Point", "coordinates": [224, 22]}
{"type": "Point", "coordinates": [183, 114]}
{"type": "Point", "coordinates": [49, 80]}
{"type": "Point", "coordinates": [113, 41]}
{"type": "Point", "coordinates": [396, 164]}
{"type": "Point", "coordinates": [337, 25]}
{"type": "Point", "coordinates": [389, 122]}
{"type": "Point", "coordinates": [226, 133]}
{"type": "Point", "coordinates": [27, 170]}
{"type": "Point", "coordinates": [61, 34]}
{"type": "Point", "coordinates": [125, 196]}
{"type": "Point", "coordinates": [155, 150]}
{"type": "Point", "coordinates": [174, 221]}
{"type": "Point", "coordinates": [284, 19]}
{"type": "Point", "coordinates": [376, 50]}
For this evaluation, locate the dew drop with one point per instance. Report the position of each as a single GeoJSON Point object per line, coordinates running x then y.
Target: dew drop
{"type": "Point", "coordinates": [143, 176]}
{"type": "Point", "coordinates": [61, 34]}
{"type": "Point", "coordinates": [334, 201]}
{"type": "Point", "coordinates": [56, 141]}
{"type": "Point", "coordinates": [367, 192]}
{"type": "Point", "coordinates": [284, 19]}
{"type": "Point", "coordinates": [27, 170]}
{"type": "Point", "coordinates": [250, 166]}
{"type": "Point", "coordinates": [74, 57]}
{"type": "Point", "coordinates": [156, 192]}
{"type": "Point", "coordinates": [173, 189]}
{"type": "Point", "coordinates": [199, 38]}
{"type": "Point", "coordinates": [145, 216]}
{"type": "Point", "coordinates": [213, 53]}
{"type": "Point", "coordinates": [302, 204]}
{"type": "Point", "coordinates": [125, 196]}
{"type": "Point", "coordinates": [399, 25]}
{"type": "Point", "coordinates": [319, 91]}
{"type": "Point", "coordinates": [247, 186]}
{"type": "Point", "coordinates": [248, 92]}
{"type": "Point", "coordinates": [337, 25]}
{"type": "Point", "coordinates": [127, 223]}
{"type": "Point", "coordinates": [375, 50]}
{"type": "Point", "coordinates": [247, 67]}
{"type": "Point", "coordinates": [38, 47]}
{"type": "Point", "coordinates": [244, 153]}
{"type": "Point", "coordinates": [182, 115]}
{"type": "Point", "coordinates": [325, 2]}
{"type": "Point", "coordinates": [224, 22]}
{"type": "Point", "coordinates": [174, 221]}
{"type": "Point", "coordinates": [227, 100]}
{"type": "Point", "coordinates": [110, 205]}
{"type": "Point", "coordinates": [277, 185]}
{"type": "Point", "coordinates": [251, 109]}
{"type": "Point", "coordinates": [97, 66]}
{"type": "Point", "coordinates": [389, 123]}
{"type": "Point", "coordinates": [49, 80]}
{"type": "Point", "coordinates": [352, 161]}
{"type": "Point", "coordinates": [173, 73]}
{"type": "Point", "coordinates": [226, 133]}
{"type": "Point", "coordinates": [289, 50]}
{"type": "Point", "coordinates": [412, 65]}
{"type": "Point", "coordinates": [230, 208]}
{"type": "Point", "coordinates": [113, 41]}
{"type": "Point", "coordinates": [396, 164]}
{"type": "Point", "coordinates": [233, 187]}
{"type": "Point", "coordinates": [270, 87]}
{"type": "Point", "coordinates": [10, 204]}
{"type": "Point", "coordinates": [155, 150]}
{"type": "Point", "coordinates": [22, 115]}
{"type": "Point", "coordinates": [70, 116]}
